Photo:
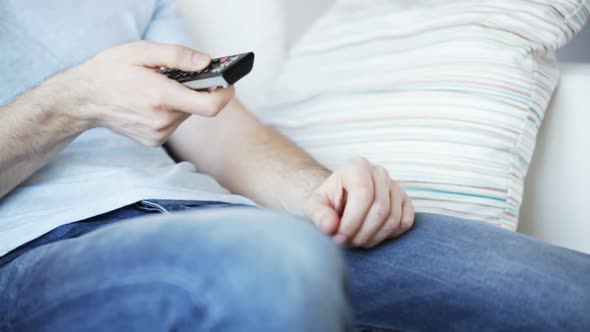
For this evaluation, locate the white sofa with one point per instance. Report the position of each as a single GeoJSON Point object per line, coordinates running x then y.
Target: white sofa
{"type": "Point", "coordinates": [557, 197]}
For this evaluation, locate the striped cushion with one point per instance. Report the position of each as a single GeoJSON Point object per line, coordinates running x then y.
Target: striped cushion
{"type": "Point", "coordinates": [448, 95]}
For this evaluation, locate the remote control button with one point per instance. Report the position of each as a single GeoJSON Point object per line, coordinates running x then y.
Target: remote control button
{"type": "Point", "coordinates": [223, 60]}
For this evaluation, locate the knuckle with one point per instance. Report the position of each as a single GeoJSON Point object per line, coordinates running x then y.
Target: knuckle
{"type": "Point", "coordinates": [381, 210]}
{"type": "Point", "coordinates": [134, 47]}
{"type": "Point", "coordinates": [157, 100]}
{"type": "Point", "coordinates": [160, 122]}
{"type": "Point", "coordinates": [365, 193]}
{"type": "Point", "coordinates": [361, 161]}
{"type": "Point", "coordinates": [405, 198]}
{"type": "Point", "coordinates": [398, 193]}
{"type": "Point", "coordinates": [208, 112]}
{"type": "Point", "coordinates": [382, 170]}
{"type": "Point", "coordinates": [391, 226]}
{"type": "Point", "coordinates": [213, 107]}
{"type": "Point", "coordinates": [397, 186]}
{"type": "Point", "coordinates": [178, 53]}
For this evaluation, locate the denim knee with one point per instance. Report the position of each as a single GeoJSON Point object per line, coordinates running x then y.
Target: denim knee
{"type": "Point", "coordinates": [227, 270]}
{"type": "Point", "coordinates": [244, 264]}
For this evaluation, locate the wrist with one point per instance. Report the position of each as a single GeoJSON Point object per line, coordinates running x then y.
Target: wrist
{"type": "Point", "coordinates": [307, 180]}
{"type": "Point", "coordinates": [67, 102]}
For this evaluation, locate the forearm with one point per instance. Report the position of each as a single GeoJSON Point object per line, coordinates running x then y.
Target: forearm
{"type": "Point", "coordinates": [358, 204]}
{"type": "Point", "coordinates": [33, 129]}
{"type": "Point", "coordinates": [249, 158]}
{"type": "Point", "coordinates": [272, 170]}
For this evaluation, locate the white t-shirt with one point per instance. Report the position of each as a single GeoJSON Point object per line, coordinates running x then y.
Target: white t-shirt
{"type": "Point", "coordinates": [100, 171]}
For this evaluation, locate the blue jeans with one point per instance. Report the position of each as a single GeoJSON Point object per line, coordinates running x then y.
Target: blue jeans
{"type": "Point", "coordinates": [221, 267]}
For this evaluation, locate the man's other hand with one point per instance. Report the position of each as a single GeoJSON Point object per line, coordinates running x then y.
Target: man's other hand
{"type": "Point", "coordinates": [360, 205]}
{"type": "Point", "coordinates": [121, 89]}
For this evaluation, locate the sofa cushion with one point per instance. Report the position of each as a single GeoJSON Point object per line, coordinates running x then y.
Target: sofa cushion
{"type": "Point", "coordinates": [448, 95]}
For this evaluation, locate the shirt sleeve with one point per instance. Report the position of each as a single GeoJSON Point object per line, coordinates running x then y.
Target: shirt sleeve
{"type": "Point", "coordinates": [167, 26]}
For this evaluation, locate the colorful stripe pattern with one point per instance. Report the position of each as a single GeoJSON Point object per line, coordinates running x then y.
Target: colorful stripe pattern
{"type": "Point", "coordinates": [448, 95]}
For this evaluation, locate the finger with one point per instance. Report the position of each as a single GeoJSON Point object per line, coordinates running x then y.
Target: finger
{"type": "Point", "coordinates": [155, 55]}
{"type": "Point", "coordinates": [358, 183]}
{"type": "Point", "coordinates": [178, 119]}
{"type": "Point", "coordinates": [340, 201]}
{"type": "Point", "coordinates": [160, 127]}
{"type": "Point", "coordinates": [407, 220]}
{"type": "Point", "coordinates": [322, 215]}
{"type": "Point", "coordinates": [379, 211]}
{"type": "Point", "coordinates": [393, 222]}
{"type": "Point", "coordinates": [174, 95]}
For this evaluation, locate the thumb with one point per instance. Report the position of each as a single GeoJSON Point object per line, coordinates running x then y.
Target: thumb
{"type": "Point", "coordinates": [322, 214]}
{"type": "Point", "coordinates": [170, 56]}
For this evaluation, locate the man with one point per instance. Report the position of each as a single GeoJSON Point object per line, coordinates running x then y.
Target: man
{"type": "Point", "coordinates": [84, 113]}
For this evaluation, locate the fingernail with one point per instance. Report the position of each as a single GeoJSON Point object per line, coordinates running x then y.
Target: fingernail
{"type": "Point", "coordinates": [199, 59]}
{"type": "Point", "coordinates": [340, 239]}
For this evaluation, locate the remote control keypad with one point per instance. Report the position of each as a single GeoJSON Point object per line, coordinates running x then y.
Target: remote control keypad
{"type": "Point", "coordinates": [217, 66]}
{"type": "Point", "coordinates": [222, 72]}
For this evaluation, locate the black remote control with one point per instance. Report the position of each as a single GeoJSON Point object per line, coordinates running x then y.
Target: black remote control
{"type": "Point", "coordinates": [221, 73]}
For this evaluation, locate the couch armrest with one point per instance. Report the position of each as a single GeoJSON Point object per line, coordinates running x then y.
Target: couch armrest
{"type": "Point", "coordinates": [556, 205]}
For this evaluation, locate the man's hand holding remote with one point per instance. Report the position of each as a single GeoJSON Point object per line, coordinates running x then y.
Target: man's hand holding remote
{"type": "Point", "coordinates": [121, 89]}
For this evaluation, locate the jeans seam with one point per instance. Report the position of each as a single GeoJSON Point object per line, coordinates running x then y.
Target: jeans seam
{"type": "Point", "coordinates": [180, 280]}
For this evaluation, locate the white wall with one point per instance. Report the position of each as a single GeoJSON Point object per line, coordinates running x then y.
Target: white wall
{"type": "Point", "coordinates": [578, 50]}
